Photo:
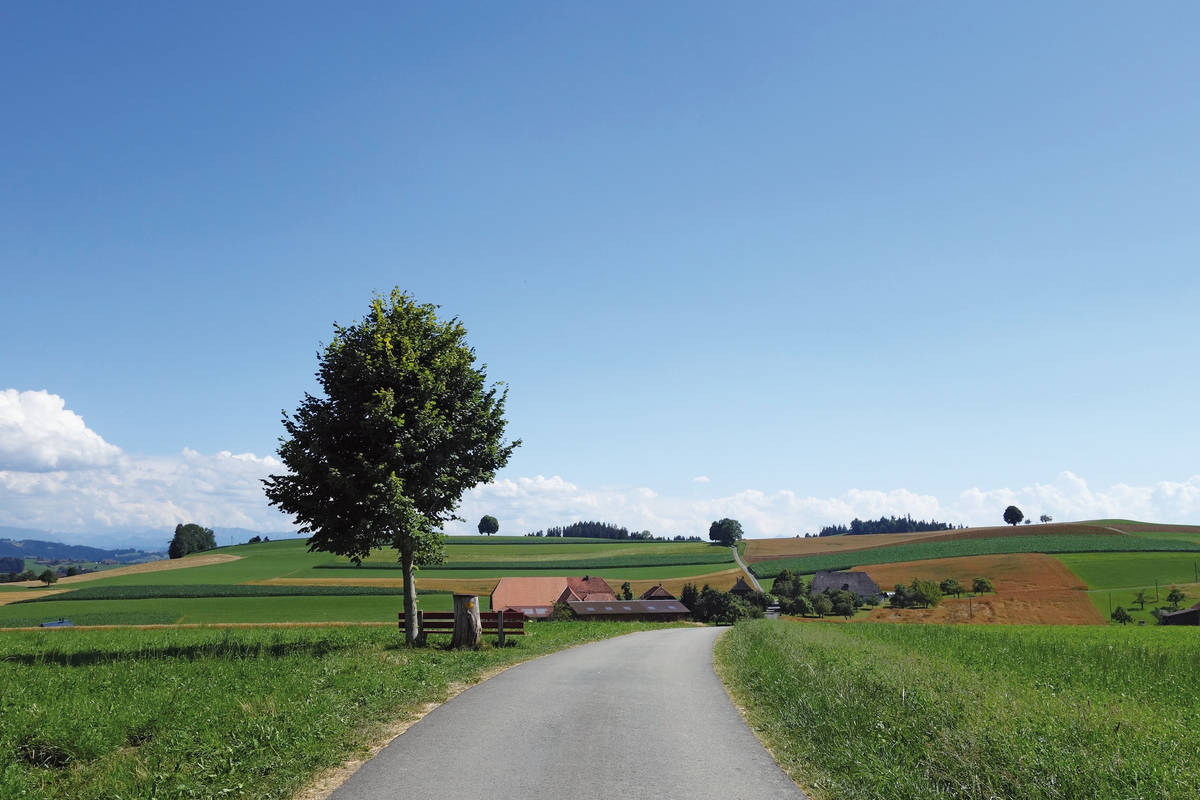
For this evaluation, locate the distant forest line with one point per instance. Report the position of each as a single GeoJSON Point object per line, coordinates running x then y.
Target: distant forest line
{"type": "Point", "coordinates": [606, 530]}
{"type": "Point", "coordinates": [905, 524]}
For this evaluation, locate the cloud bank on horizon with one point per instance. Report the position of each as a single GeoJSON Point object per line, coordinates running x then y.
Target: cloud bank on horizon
{"type": "Point", "coordinates": [56, 474]}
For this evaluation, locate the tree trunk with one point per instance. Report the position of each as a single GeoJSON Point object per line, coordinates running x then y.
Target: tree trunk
{"type": "Point", "coordinates": [468, 630]}
{"type": "Point", "coordinates": [412, 626]}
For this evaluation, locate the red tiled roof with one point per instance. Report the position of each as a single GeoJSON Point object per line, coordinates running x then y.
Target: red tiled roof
{"type": "Point", "coordinates": [590, 585]}
{"type": "Point", "coordinates": [656, 593]}
{"type": "Point", "coordinates": [518, 592]}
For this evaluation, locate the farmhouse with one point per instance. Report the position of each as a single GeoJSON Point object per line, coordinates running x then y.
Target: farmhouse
{"type": "Point", "coordinates": [1188, 616]}
{"type": "Point", "coordinates": [858, 583]}
{"type": "Point", "coordinates": [656, 593]}
{"type": "Point", "coordinates": [741, 588]}
{"type": "Point", "coordinates": [589, 597]}
{"type": "Point", "coordinates": [645, 610]}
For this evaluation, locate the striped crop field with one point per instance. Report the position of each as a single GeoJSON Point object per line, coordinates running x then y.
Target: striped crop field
{"type": "Point", "coordinates": [876, 712]}
{"type": "Point", "coordinates": [957, 548]}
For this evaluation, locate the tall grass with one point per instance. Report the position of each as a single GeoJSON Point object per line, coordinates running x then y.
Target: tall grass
{"type": "Point", "coordinates": [887, 711]}
{"type": "Point", "coordinates": [204, 714]}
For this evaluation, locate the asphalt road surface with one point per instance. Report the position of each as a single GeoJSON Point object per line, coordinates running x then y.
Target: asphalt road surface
{"type": "Point", "coordinates": [638, 716]}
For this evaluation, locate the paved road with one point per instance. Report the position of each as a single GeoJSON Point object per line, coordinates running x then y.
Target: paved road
{"type": "Point", "coordinates": [754, 584]}
{"type": "Point", "coordinates": [639, 716]}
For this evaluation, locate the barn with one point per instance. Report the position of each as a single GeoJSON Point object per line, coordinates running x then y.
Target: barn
{"type": "Point", "coordinates": [1188, 616]}
{"type": "Point", "coordinates": [858, 583]}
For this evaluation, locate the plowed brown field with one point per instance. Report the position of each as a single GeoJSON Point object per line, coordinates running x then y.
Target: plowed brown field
{"type": "Point", "coordinates": [1031, 588]}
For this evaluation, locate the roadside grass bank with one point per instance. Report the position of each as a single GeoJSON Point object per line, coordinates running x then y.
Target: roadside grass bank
{"type": "Point", "coordinates": [245, 713]}
{"type": "Point", "coordinates": [886, 711]}
{"type": "Point", "coordinates": [957, 548]}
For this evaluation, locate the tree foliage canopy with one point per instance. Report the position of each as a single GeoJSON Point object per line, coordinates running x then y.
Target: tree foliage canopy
{"type": "Point", "coordinates": [191, 538]}
{"type": "Point", "coordinates": [726, 531]}
{"type": "Point", "coordinates": [1013, 515]}
{"type": "Point", "coordinates": [406, 425]}
{"type": "Point", "coordinates": [488, 524]}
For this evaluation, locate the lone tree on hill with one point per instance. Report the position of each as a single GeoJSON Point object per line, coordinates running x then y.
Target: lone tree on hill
{"type": "Point", "coordinates": [1046, 518]}
{"type": "Point", "coordinates": [488, 524]}
{"type": "Point", "coordinates": [48, 577]}
{"type": "Point", "coordinates": [407, 424]}
{"type": "Point", "coordinates": [191, 538]}
{"type": "Point", "coordinates": [1013, 515]}
{"type": "Point", "coordinates": [981, 585]}
{"type": "Point", "coordinates": [1120, 615]}
{"type": "Point", "coordinates": [1175, 597]}
{"type": "Point", "coordinates": [1141, 599]}
{"type": "Point", "coordinates": [725, 531]}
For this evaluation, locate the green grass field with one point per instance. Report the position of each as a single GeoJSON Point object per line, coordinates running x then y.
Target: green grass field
{"type": "Point", "coordinates": [195, 713]}
{"type": "Point", "coordinates": [1134, 570]}
{"type": "Point", "coordinates": [953, 548]}
{"type": "Point", "coordinates": [924, 711]}
{"type": "Point", "coordinates": [202, 610]}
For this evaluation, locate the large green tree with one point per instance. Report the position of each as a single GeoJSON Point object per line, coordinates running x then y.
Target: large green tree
{"type": "Point", "coordinates": [406, 425]}
{"type": "Point", "coordinates": [726, 531]}
{"type": "Point", "coordinates": [488, 524]}
{"type": "Point", "coordinates": [191, 538]}
{"type": "Point", "coordinates": [1013, 515]}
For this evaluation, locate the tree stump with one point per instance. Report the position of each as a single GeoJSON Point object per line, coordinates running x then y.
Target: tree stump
{"type": "Point", "coordinates": [468, 630]}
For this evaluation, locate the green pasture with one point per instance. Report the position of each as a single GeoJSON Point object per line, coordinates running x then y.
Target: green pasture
{"type": "Point", "coordinates": [1134, 570]}
{"type": "Point", "coordinates": [87, 592]}
{"type": "Point", "coordinates": [555, 551]}
{"type": "Point", "coordinates": [608, 573]}
{"type": "Point", "coordinates": [953, 548]}
{"type": "Point", "coordinates": [972, 712]}
{"type": "Point", "coordinates": [203, 713]}
{"type": "Point", "coordinates": [204, 610]}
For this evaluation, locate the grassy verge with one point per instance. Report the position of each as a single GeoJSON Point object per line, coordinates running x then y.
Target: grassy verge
{"type": "Point", "coordinates": [203, 713]}
{"type": "Point", "coordinates": [559, 565]}
{"type": "Point", "coordinates": [955, 548]}
{"type": "Point", "coordinates": [886, 711]}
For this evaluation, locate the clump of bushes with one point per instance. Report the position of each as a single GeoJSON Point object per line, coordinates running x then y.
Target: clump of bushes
{"type": "Point", "coordinates": [723, 608]}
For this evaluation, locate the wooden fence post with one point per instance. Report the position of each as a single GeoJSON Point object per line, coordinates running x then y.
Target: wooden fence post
{"type": "Point", "coordinates": [500, 628]}
{"type": "Point", "coordinates": [420, 627]}
{"type": "Point", "coordinates": [468, 628]}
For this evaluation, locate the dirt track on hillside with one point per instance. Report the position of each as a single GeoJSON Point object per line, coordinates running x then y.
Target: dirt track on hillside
{"type": "Point", "coordinates": [1031, 589]}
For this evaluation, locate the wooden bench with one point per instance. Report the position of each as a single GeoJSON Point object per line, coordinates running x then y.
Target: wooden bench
{"type": "Point", "coordinates": [499, 623]}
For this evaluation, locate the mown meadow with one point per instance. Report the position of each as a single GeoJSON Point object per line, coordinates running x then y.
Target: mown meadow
{"type": "Point", "coordinates": [925, 711]}
{"type": "Point", "coordinates": [203, 713]}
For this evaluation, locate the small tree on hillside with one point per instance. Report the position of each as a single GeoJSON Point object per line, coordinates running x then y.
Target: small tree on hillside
{"type": "Point", "coordinates": [725, 531]}
{"type": "Point", "coordinates": [926, 593]}
{"type": "Point", "coordinates": [822, 605]}
{"type": "Point", "coordinates": [1141, 599]}
{"type": "Point", "coordinates": [981, 585]}
{"type": "Point", "coordinates": [1013, 515]}
{"type": "Point", "coordinates": [951, 586]}
{"type": "Point", "coordinates": [488, 525]}
{"type": "Point", "coordinates": [1120, 615]}
{"type": "Point", "coordinates": [48, 577]}
{"type": "Point", "coordinates": [1175, 597]}
{"type": "Point", "coordinates": [626, 591]}
{"type": "Point", "coordinates": [1046, 518]}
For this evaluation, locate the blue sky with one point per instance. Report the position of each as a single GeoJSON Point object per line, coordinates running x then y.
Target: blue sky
{"type": "Point", "coordinates": [834, 260]}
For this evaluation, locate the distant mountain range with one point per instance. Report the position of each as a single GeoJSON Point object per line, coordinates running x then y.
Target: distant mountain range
{"type": "Point", "coordinates": [126, 541]}
{"type": "Point", "coordinates": [38, 548]}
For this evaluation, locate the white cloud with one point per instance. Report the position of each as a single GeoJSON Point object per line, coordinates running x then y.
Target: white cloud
{"type": "Point", "coordinates": [529, 504]}
{"type": "Point", "coordinates": [58, 475]}
{"type": "Point", "coordinates": [700, 479]}
{"type": "Point", "coordinates": [38, 434]}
